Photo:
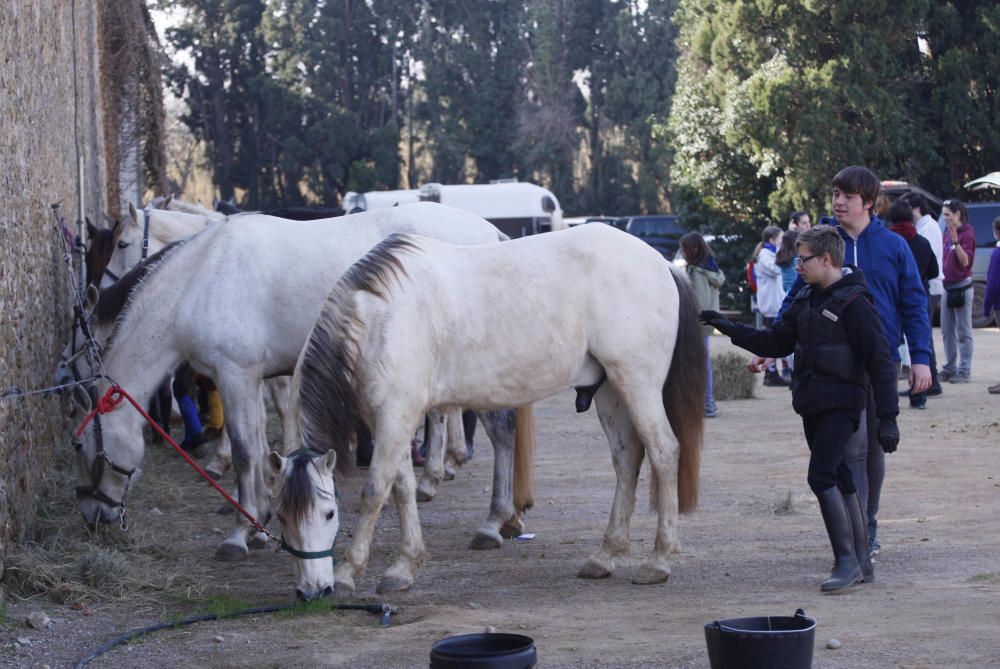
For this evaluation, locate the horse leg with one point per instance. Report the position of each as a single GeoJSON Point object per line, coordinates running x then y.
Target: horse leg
{"type": "Point", "coordinates": [412, 554]}
{"type": "Point", "coordinates": [434, 463]}
{"type": "Point", "coordinates": [243, 397]}
{"type": "Point", "coordinates": [457, 453]}
{"type": "Point", "coordinates": [502, 520]}
{"type": "Point", "coordinates": [222, 457]}
{"type": "Point", "coordinates": [279, 390]}
{"type": "Point", "coordinates": [662, 449]}
{"type": "Point", "coordinates": [392, 451]}
{"type": "Point", "coordinates": [626, 455]}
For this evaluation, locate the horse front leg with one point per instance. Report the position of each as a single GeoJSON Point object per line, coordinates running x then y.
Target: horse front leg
{"type": "Point", "coordinates": [244, 401]}
{"type": "Point", "coordinates": [456, 452]}
{"type": "Point", "coordinates": [279, 390]}
{"type": "Point", "coordinates": [412, 553]}
{"type": "Point", "coordinates": [626, 456]}
{"type": "Point", "coordinates": [392, 451]}
{"type": "Point", "coordinates": [502, 520]}
{"type": "Point", "coordinates": [433, 474]}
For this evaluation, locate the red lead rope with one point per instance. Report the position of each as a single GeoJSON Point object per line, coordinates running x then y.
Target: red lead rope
{"type": "Point", "coordinates": [114, 397]}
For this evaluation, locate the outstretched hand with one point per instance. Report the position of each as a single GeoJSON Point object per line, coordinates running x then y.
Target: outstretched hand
{"type": "Point", "coordinates": [717, 321]}
{"type": "Point", "coordinates": [888, 434]}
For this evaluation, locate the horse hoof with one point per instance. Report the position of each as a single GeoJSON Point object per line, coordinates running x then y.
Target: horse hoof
{"type": "Point", "coordinates": [486, 540]}
{"type": "Point", "coordinates": [650, 575]}
{"type": "Point", "coordinates": [425, 495]}
{"type": "Point", "coordinates": [231, 552]}
{"type": "Point", "coordinates": [512, 529]}
{"type": "Point", "coordinates": [393, 584]}
{"type": "Point", "coordinates": [449, 474]}
{"type": "Point", "coordinates": [214, 473]}
{"type": "Point", "coordinates": [342, 590]}
{"type": "Point", "coordinates": [592, 569]}
{"type": "Point", "coordinates": [258, 540]}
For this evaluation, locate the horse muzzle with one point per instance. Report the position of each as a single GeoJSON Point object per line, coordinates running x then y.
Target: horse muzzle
{"type": "Point", "coordinates": [303, 596]}
{"type": "Point", "coordinates": [96, 512]}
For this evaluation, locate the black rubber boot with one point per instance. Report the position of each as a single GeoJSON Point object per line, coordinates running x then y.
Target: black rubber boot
{"type": "Point", "coordinates": [859, 529]}
{"type": "Point", "coordinates": [846, 571]}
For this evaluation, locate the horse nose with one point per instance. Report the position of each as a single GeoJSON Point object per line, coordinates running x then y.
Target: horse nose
{"type": "Point", "coordinates": [302, 596]}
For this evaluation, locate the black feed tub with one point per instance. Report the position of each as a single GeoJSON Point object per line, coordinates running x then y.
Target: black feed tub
{"type": "Point", "coordinates": [770, 642]}
{"type": "Point", "coordinates": [484, 651]}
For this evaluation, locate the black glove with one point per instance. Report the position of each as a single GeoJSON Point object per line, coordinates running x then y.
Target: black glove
{"type": "Point", "coordinates": [717, 321]}
{"type": "Point", "coordinates": [888, 434]}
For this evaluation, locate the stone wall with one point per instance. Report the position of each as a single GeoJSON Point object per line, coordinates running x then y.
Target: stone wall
{"type": "Point", "coordinates": [50, 116]}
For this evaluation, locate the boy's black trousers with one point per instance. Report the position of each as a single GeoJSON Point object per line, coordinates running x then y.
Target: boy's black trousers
{"type": "Point", "coordinates": [827, 434]}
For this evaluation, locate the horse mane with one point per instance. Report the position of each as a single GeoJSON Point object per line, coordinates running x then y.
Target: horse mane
{"type": "Point", "coordinates": [296, 490]}
{"type": "Point", "coordinates": [115, 301]}
{"type": "Point", "coordinates": [329, 388]}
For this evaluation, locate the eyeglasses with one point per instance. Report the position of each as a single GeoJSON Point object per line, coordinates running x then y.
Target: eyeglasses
{"type": "Point", "coordinates": [798, 261]}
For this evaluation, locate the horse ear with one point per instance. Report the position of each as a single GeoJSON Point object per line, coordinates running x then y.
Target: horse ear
{"type": "Point", "coordinates": [91, 228]}
{"type": "Point", "coordinates": [116, 231]}
{"type": "Point", "coordinates": [329, 462]}
{"type": "Point", "coordinates": [90, 297]}
{"type": "Point", "coordinates": [133, 214]}
{"type": "Point", "coordinates": [275, 461]}
{"type": "Point", "coordinates": [166, 203]}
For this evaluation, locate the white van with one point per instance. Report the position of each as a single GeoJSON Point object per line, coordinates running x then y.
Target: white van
{"type": "Point", "coordinates": [517, 208]}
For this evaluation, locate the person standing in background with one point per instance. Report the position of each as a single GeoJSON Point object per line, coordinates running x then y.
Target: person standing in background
{"type": "Point", "coordinates": [799, 221]}
{"type": "Point", "coordinates": [706, 280]}
{"type": "Point", "coordinates": [770, 292]}
{"type": "Point", "coordinates": [956, 316]}
{"type": "Point", "coordinates": [991, 302]}
{"type": "Point", "coordinates": [928, 228]}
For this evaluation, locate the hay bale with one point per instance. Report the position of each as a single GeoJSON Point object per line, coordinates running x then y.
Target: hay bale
{"type": "Point", "coordinates": [730, 378]}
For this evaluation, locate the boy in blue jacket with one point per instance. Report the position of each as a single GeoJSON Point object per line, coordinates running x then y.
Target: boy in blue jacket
{"type": "Point", "coordinates": [901, 304]}
{"type": "Point", "coordinates": [834, 331]}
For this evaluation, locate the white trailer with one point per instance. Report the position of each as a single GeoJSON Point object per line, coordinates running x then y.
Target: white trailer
{"type": "Point", "coordinates": [517, 208]}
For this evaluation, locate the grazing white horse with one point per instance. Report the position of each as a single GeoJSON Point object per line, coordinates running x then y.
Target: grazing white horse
{"type": "Point", "coordinates": [419, 323]}
{"type": "Point", "coordinates": [237, 301]}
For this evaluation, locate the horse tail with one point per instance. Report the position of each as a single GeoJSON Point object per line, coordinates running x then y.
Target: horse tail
{"type": "Point", "coordinates": [684, 392]}
{"type": "Point", "coordinates": [524, 459]}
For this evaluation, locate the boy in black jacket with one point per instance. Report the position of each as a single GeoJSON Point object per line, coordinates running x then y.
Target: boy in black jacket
{"type": "Point", "coordinates": [835, 333]}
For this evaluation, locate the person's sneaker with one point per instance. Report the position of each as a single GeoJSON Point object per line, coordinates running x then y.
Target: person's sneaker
{"type": "Point", "coordinates": [994, 390]}
{"type": "Point", "coordinates": [711, 412]}
{"type": "Point", "coordinates": [944, 375]}
{"type": "Point", "coordinates": [918, 404]}
{"type": "Point", "coordinates": [959, 378]}
{"type": "Point", "coordinates": [934, 391]}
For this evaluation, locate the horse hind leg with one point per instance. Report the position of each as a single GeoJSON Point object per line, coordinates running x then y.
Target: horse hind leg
{"type": "Point", "coordinates": [502, 520]}
{"type": "Point", "coordinates": [456, 454]}
{"type": "Point", "coordinates": [626, 456]}
{"type": "Point", "coordinates": [663, 451]}
{"type": "Point", "coordinates": [434, 437]}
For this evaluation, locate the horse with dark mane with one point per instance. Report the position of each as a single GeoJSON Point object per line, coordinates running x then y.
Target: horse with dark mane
{"type": "Point", "coordinates": [418, 323]}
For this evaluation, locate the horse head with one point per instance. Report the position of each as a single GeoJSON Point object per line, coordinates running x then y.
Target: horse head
{"type": "Point", "coordinates": [306, 506]}
{"type": "Point", "coordinates": [101, 247]}
{"type": "Point", "coordinates": [108, 452]}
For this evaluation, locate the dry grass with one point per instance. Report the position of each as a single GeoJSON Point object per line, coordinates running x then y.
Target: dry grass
{"type": "Point", "coordinates": [61, 559]}
{"type": "Point", "coordinates": [730, 378]}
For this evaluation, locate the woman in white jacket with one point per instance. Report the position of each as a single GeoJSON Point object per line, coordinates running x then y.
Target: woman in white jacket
{"type": "Point", "coordinates": [770, 291]}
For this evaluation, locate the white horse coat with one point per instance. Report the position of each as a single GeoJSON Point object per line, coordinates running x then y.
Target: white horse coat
{"type": "Point", "coordinates": [237, 301]}
{"type": "Point", "coordinates": [419, 323]}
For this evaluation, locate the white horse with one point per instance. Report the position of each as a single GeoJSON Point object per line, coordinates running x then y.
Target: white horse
{"type": "Point", "coordinates": [237, 301]}
{"type": "Point", "coordinates": [419, 323]}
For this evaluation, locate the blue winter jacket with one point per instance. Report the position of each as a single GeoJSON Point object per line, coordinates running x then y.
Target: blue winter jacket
{"type": "Point", "coordinates": [895, 284]}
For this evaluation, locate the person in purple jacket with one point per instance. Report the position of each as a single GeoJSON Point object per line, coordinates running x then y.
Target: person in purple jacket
{"type": "Point", "coordinates": [992, 300]}
{"type": "Point", "coordinates": [956, 314]}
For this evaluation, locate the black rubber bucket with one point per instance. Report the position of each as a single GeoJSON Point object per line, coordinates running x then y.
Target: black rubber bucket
{"type": "Point", "coordinates": [771, 642]}
{"type": "Point", "coordinates": [484, 651]}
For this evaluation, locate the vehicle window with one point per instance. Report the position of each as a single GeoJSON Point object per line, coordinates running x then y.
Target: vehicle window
{"type": "Point", "coordinates": [981, 217]}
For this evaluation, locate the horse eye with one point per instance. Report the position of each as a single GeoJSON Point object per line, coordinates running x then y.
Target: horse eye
{"type": "Point", "coordinates": [330, 515]}
{"type": "Point", "coordinates": [123, 245]}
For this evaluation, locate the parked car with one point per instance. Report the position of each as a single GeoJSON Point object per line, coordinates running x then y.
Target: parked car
{"type": "Point", "coordinates": [660, 231]}
{"type": "Point", "coordinates": [981, 217]}
{"type": "Point", "coordinates": [896, 189]}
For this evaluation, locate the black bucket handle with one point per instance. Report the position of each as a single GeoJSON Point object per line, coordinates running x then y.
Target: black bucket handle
{"type": "Point", "coordinates": [799, 613]}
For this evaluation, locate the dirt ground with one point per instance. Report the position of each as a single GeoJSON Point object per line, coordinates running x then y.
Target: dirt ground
{"type": "Point", "coordinates": [754, 547]}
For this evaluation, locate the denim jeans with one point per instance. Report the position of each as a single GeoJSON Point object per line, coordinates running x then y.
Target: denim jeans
{"type": "Point", "coordinates": [956, 330]}
{"type": "Point", "coordinates": [709, 391]}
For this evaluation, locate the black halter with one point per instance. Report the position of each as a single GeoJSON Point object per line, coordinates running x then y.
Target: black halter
{"type": "Point", "coordinates": [100, 463]}
{"type": "Point", "coordinates": [284, 545]}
